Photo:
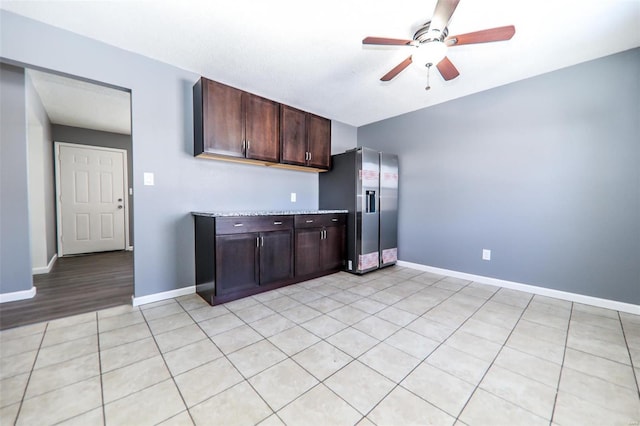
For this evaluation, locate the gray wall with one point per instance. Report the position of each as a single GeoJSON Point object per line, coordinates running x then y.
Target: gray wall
{"type": "Point", "coordinates": [343, 137]}
{"type": "Point", "coordinates": [544, 172]}
{"type": "Point", "coordinates": [15, 253]}
{"type": "Point", "coordinates": [90, 137]}
{"type": "Point", "coordinates": [41, 177]}
{"type": "Point", "coordinates": [162, 139]}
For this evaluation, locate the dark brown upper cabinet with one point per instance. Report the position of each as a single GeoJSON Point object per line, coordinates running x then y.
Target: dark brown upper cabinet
{"type": "Point", "coordinates": [262, 130]}
{"type": "Point", "coordinates": [232, 123]}
{"type": "Point", "coordinates": [305, 138]}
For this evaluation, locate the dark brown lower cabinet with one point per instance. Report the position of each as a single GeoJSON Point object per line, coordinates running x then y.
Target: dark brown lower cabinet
{"type": "Point", "coordinates": [276, 261]}
{"type": "Point", "coordinates": [240, 256]}
{"type": "Point", "coordinates": [237, 262]}
{"type": "Point", "coordinates": [245, 261]}
{"type": "Point", "coordinates": [332, 248]}
{"type": "Point", "coordinates": [307, 251]}
{"type": "Point", "coordinates": [320, 243]}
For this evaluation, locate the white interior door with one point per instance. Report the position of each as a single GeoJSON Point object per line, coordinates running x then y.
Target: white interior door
{"type": "Point", "coordinates": [91, 199]}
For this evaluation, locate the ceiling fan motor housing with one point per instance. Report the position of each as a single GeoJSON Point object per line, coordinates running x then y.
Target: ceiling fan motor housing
{"type": "Point", "coordinates": [425, 34]}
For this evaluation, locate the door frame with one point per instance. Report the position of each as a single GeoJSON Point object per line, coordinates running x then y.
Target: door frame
{"type": "Point", "coordinates": [125, 190]}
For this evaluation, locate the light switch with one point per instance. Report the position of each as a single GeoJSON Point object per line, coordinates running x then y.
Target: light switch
{"type": "Point", "coordinates": [148, 179]}
{"type": "Point", "coordinates": [486, 254]}
{"type": "Point", "coordinates": [293, 197]}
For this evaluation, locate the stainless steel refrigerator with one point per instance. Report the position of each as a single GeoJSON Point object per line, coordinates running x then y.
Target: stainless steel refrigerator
{"type": "Point", "coordinates": [365, 182]}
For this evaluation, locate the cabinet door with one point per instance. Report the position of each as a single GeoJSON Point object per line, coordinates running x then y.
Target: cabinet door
{"type": "Point", "coordinates": [319, 141]}
{"type": "Point", "coordinates": [222, 119]}
{"type": "Point", "coordinates": [236, 262]}
{"type": "Point", "coordinates": [332, 248]}
{"type": "Point", "coordinates": [293, 135]}
{"type": "Point", "coordinates": [262, 128]}
{"type": "Point", "coordinates": [307, 251]}
{"type": "Point", "coordinates": [276, 261]}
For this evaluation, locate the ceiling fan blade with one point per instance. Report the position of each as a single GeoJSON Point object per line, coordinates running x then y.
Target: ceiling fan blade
{"type": "Point", "coordinates": [442, 14]}
{"type": "Point", "coordinates": [397, 69]}
{"type": "Point", "coordinates": [386, 41]}
{"type": "Point", "coordinates": [484, 36]}
{"type": "Point", "coordinates": [447, 69]}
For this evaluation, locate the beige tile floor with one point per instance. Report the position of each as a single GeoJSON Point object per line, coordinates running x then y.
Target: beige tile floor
{"type": "Point", "coordinates": [394, 347]}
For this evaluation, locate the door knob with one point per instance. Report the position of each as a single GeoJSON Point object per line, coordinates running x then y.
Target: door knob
{"type": "Point", "coordinates": [119, 200]}
{"type": "Point", "coordinates": [119, 207]}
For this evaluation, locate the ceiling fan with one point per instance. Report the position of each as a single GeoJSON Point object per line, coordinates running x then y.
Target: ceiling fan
{"type": "Point", "coordinates": [431, 42]}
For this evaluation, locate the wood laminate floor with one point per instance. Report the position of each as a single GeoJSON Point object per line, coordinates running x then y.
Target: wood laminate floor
{"type": "Point", "coordinates": [75, 285]}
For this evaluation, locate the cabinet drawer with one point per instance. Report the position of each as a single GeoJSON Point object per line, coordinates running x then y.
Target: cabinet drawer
{"type": "Point", "coordinates": [243, 224]}
{"type": "Point", "coordinates": [319, 220]}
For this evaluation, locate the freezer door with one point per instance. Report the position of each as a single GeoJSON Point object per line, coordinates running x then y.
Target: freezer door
{"type": "Point", "coordinates": [368, 208]}
{"type": "Point", "coordinates": [388, 209]}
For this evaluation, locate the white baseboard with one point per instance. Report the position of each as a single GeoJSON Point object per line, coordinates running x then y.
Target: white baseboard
{"type": "Point", "coordinates": [17, 295]}
{"type": "Point", "coordinates": [156, 297]}
{"type": "Point", "coordinates": [543, 291]}
{"type": "Point", "coordinates": [45, 269]}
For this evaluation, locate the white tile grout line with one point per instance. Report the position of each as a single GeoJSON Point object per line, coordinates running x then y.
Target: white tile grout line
{"type": "Point", "coordinates": [246, 380]}
{"type": "Point", "coordinates": [26, 386]}
{"type": "Point", "coordinates": [291, 356]}
{"type": "Point", "coordinates": [564, 354]}
{"type": "Point", "coordinates": [164, 361]}
{"type": "Point", "coordinates": [397, 384]}
{"type": "Point", "coordinates": [104, 414]}
{"type": "Point", "coordinates": [626, 342]}
{"type": "Point", "coordinates": [494, 359]}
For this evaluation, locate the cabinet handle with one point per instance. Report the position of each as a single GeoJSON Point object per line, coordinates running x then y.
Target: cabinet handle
{"type": "Point", "coordinates": [248, 145]}
{"type": "Point", "coordinates": [309, 221]}
{"type": "Point", "coordinates": [257, 241]}
{"type": "Point", "coordinates": [277, 222]}
{"type": "Point", "coordinates": [261, 241]}
{"type": "Point", "coordinates": [309, 156]}
{"type": "Point", "coordinates": [334, 220]}
{"type": "Point", "coordinates": [237, 225]}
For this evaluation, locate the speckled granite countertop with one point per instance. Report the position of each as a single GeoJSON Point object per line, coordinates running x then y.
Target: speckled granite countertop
{"type": "Point", "coordinates": [267, 213]}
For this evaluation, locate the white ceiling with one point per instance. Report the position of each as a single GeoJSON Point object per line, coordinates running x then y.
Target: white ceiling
{"type": "Point", "coordinates": [310, 55]}
{"type": "Point", "coordinates": [77, 103]}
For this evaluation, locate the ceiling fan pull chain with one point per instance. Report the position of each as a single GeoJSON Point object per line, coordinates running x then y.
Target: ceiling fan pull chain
{"type": "Point", "coordinates": [428, 65]}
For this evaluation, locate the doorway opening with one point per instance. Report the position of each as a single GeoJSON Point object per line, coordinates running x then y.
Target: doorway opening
{"type": "Point", "coordinates": [91, 122]}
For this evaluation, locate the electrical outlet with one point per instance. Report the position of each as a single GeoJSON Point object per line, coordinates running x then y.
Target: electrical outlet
{"type": "Point", "coordinates": [486, 254]}
{"type": "Point", "coordinates": [293, 197]}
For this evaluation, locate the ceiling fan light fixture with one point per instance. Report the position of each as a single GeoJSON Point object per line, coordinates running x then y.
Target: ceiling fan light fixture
{"type": "Point", "coordinates": [431, 52]}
